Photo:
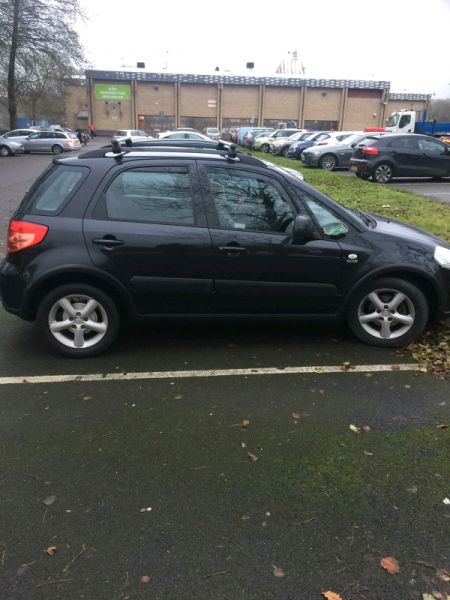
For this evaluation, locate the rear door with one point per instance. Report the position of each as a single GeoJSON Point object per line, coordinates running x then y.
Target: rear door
{"type": "Point", "coordinates": [147, 228]}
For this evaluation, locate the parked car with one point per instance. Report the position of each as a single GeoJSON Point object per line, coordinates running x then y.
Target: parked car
{"type": "Point", "coordinates": [183, 135]}
{"type": "Point", "coordinates": [212, 132]}
{"type": "Point", "coordinates": [335, 156]}
{"type": "Point", "coordinates": [248, 139]}
{"type": "Point", "coordinates": [134, 135]}
{"type": "Point", "coordinates": [151, 235]}
{"type": "Point", "coordinates": [263, 143]}
{"type": "Point", "coordinates": [51, 141]}
{"type": "Point", "coordinates": [282, 145]}
{"type": "Point", "coordinates": [401, 155]}
{"type": "Point", "coordinates": [8, 147]}
{"type": "Point", "coordinates": [18, 135]}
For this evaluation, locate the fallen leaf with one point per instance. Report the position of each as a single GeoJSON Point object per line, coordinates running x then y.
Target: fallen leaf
{"type": "Point", "coordinates": [145, 578]}
{"type": "Point", "coordinates": [245, 517]}
{"type": "Point", "coordinates": [278, 571]}
{"type": "Point", "coordinates": [331, 596]}
{"type": "Point", "coordinates": [446, 501]}
{"type": "Point", "coordinates": [395, 368]}
{"type": "Point", "coordinates": [366, 428]}
{"type": "Point", "coordinates": [390, 564]}
{"type": "Point", "coordinates": [252, 457]}
{"type": "Point", "coordinates": [179, 397]}
{"type": "Point", "coordinates": [49, 500]}
{"type": "Point", "coordinates": [87, 397]}
{"type": "Point", "coordinates": [368, 453]}
{"type": "Point", "coordinates": [438, 595]}
{"type": "Point", "coordinates": [355, 429]}
{"type": "Point", "coordinates": [441, 426]}
{"type": "Point", "coordinates": [245, 423]}
{"type": "Point", "coordinates": [146, 509]}
{"type": "Point", "coordinates": [243, 445]}
{"type": "Point", "coordinates": [268, 514]}
{"type": "Point", "coordinates": [51, 550]}
{"type": "Point", "coordinates": [412, 489]}
{"type": "Point", "coordinates": [443, 575]}
{"type": "Point", "coordinates": [296, 415]}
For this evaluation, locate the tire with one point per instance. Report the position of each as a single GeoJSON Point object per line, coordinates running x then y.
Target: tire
{"type": "Point", "coordinates": [382, 173]}
{"type": "Point", "coordinates": [328, 162]}
{"type": "Point", "coordinates": [388, 312]}
{"type": "Point", "coordinates": [265, 148]}
{"type": "Point", "coordinates": [82, 335]}
{"type": "Point", "coordinates": [5, 151]}
{"type": "Point", "coordinates": [57, 149]}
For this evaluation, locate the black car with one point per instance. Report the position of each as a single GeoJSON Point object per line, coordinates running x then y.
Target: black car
{"type": "Point", "coordinates": [408, 155]}
{"type": "Point", "coordinates": [163, 232]}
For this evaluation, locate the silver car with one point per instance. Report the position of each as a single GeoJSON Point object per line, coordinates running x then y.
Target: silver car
{"type": "Point", "coordinates": [135, 135]}
{"type": "Point", "coordinates": [10, 148]}
{"type": "Point", "coordinates": [335, 156]}
{"type": "Point", "coordinates": [18, 135]}
{"type": "Point", "coordinates": [51, 141]}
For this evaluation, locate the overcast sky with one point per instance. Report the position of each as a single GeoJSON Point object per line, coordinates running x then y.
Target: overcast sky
{"type": "Point", "coordinates": [405, 42]}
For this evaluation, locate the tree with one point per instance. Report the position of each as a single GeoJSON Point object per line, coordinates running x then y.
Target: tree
{"type": "Point", "coordinates": [36, 32]}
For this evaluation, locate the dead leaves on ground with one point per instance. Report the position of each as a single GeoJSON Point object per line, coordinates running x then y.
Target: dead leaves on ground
{"type": "Point", "coordinates": [278, 571]}
{"type": "Point", "coordinates": [52, 550]}
{"type": "Point", "coordinates": [331, 596]}
{"type": "Point", "coordinates": [390, 564]}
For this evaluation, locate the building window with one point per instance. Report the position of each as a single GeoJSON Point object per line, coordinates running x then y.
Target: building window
{"type": "Point", "coordinates": [154, 124]}
{"type": "Point", "coordinates": [280, 123]}
{"type": "Point", "coordinates": [198, 123]}
{"type": "Point", "coordinates": [235, 122]}
{"type": "Point", "coordinates": [322, 125]}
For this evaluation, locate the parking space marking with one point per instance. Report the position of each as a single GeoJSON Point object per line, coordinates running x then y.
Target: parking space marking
{"type": "Point", "coordinates": [141, 375]}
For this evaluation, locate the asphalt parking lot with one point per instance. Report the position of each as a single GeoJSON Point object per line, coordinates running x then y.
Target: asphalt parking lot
{"type": "Point", "coordinates": [218, 461]}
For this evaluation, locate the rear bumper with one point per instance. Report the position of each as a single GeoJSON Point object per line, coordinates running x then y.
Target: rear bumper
{"type": "Point", "coordinates": [360, 165]}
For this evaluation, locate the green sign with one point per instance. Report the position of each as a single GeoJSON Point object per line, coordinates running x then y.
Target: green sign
{"type": "Point", "coordinates": [112, 92]}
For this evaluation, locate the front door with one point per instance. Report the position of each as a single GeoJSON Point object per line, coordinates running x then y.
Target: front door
{"type": "Point", "coordinates": [147, 228]}
{"type": "Point", "coordinates": [434, 157]}
{"type": "Point", "coordinates": [259, 267]}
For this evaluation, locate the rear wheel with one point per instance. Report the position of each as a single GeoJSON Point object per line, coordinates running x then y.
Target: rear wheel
{"type": "Point", "coordinates": [79, 320]}
{"type": "Point", "coordinates": [382, 173]}
{"type": "Point", "coordinates": [388, 312]}
{"type": "Point", "coordinates": [57, 149]}
{"type": "Point", "coordinates": [328, 162]}
{"type": "Point", "coordinates": [265, 148]}
{"type": "Point", "coordinates": [5, 151]}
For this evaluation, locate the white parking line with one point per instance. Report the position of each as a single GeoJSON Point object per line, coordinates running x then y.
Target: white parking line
{"type": "Point", "coordinates": [141, 375]}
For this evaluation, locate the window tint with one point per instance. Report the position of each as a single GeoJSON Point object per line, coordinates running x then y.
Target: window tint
{"type": "Point", "coordinates": [329, 223]}
{"type": "Point", "coordinates": [59, 136]}
{"type": "Point", "coordinates": [246, 201]}
{"type": "Point", "coordinates": [431, 146]}
{"type": "Point", "coordinates": [157, 195]}
{"type": "Point", "coordinates": [55, 188]}
{"type": "Point", "coordinates": [406, 143]}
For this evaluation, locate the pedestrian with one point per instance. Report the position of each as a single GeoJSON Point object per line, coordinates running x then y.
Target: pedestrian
{"type": "Point", "coordinates": [80, 135]}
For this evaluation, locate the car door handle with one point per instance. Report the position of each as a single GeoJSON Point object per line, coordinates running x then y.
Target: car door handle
{"type": "Point", "coordinates": [231, 249]}
{"type": "Point", "coordinates": [108, 241]}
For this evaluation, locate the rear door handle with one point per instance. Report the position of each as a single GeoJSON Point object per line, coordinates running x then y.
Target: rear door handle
{"type": "Point", "coordinates": [108, 241]}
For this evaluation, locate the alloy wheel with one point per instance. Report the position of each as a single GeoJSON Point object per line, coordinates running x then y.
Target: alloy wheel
{"type": "Point", "coordinates": [78, 321]}
{"type": "Point", "coordinates": [386, 314]}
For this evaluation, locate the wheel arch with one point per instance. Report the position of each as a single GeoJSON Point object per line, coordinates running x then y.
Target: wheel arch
{"type": "Point", "coordinates": [108, 285]}
{"type": "Point", "coordinates": [423, 282]}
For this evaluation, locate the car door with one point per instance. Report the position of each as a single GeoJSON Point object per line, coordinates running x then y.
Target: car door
{"type": "Point", "coordinates": [404, 152]}
{"type": "Point", "coordinates": [259, 267]}
{"type": "Point", "coordinates": [434, 156]}
{"type": "Point", "coordinates": [147, 228]}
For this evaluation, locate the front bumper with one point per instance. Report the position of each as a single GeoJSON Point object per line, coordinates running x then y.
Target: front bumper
{"type": "Point", "coordinates": [309, 159]}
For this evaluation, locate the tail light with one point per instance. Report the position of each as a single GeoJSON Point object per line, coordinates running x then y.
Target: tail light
{"type": "Point", "coordinates": [370, 150]}
{"type": "Point", "coordinates": [22, 235]}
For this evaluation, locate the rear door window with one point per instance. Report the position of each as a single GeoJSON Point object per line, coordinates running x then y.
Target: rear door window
{"type": "Point", "coordinates": [54, 190]}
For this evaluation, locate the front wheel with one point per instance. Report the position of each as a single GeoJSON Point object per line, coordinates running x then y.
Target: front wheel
{"type": "Point", "coordinates": [5, 151]}
{"type": "Point", "coordinates": [265, 148]}
{"type": "Point", "coordinates": [328, 162]}
{"type": "Point", "coordinates": [57, 149]}
{"type": "Point", "coordinates": [388, 312]}
{"type": "Point", "coordinates": [382, 173]}
{"type": "Point", "coordinates": [79, 320]}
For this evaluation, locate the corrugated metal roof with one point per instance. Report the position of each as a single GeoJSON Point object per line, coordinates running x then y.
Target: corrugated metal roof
{"type": "Point", "coordinates": [236, 80]}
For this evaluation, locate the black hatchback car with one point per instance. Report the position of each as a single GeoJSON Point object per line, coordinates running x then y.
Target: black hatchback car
{"type": "Point", "coordinates": [163, 232]}
{"type": "Point", "coordinates": [408, 155]}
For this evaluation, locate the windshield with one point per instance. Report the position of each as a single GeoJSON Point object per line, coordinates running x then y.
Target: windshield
{"type": "Point", "coordinates": [350, 139]}
{"type": "Point", "coordinates": [212, 130]}
{"type": "Point", "coordinates": [392, 120]}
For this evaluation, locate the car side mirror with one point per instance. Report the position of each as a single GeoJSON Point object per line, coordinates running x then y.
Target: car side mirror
{"type": "Point", "coordinates": [304, 228]}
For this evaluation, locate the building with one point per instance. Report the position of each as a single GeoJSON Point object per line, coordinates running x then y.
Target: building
{"type": "Point", "coordinates": [159, 101]}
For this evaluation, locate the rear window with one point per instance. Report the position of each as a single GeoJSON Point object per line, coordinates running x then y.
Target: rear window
{"type": "Point", "coordinates": [54, 189]}
{"type": "Point", "coordinates": [121, 133]}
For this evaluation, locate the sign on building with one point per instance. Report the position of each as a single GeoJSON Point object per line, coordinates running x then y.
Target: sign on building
{"type": "Point", "coordinates": [112, 92]}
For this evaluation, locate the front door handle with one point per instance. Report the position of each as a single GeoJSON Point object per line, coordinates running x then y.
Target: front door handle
{"type": "Point", "coordinates": [108, 241]}
{"type": "Point", "coordinates": [232, 250]}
